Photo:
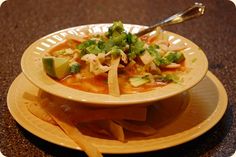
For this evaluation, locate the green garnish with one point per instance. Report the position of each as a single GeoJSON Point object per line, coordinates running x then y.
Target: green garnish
{"type": "Point", "coordinates": [175, 57]}
{"type": "Point", "coordinates": [136, 49]}
{"type": "Point", "coordinates": [158, 59]}
{"type": "Point", "coordinates": [93, 49]}
{"type": "Point", "coordinates": [74, 68]}
{"type": "Point", "coordinates": [116, 29]}
{"type": "Point", "coordinates": [117, 40]}
{"type": "Point", "coordinates": [115, 51]}
{"type": "Point", "coordinates": [86, 44]}
{"type": "Point", "coordinates": [139, 80]}
{"type": "Point", "coordinates": [136, 46]}
{"type": "Point", "coordinates": [171, 78]}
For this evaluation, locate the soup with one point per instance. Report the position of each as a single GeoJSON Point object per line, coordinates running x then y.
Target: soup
{"type": "Point", "coordinates": [115, 62]}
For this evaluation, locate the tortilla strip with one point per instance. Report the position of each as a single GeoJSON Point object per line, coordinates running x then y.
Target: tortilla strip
{"type": "Point", "coordinates": [146, 58]}
{"type": "Point", "coordinates": [38, 111]}
{"type": "Point", "coordinates": [103, 127]}
{"type": "Point", "coordinates": [113, 83]}
{"type": "Point", "coordinates": [113, 128]}
{"type": "Point", "coordinates": [70, 129]}
{"type": "Point", "coordinates": [143, 128]}
{"type": "Point", "coordinates": [116, 130]}
{"type": "Point", "coordinates": [79, 115]}
{"type": "Point", "coordinates": [93, 128]}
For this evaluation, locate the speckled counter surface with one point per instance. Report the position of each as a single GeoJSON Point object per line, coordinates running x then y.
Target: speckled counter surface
{"type": "Point", "coordinates": [23, 22]}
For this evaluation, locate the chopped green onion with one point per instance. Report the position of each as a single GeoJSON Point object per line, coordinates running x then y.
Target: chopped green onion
{"type": "Point", "coordinates": [74, 68]}
{"type": "Point", "coordinates": [138, 81]}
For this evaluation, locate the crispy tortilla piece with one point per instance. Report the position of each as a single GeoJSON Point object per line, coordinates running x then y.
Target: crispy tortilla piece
{"type": "Point", "coordinates": [108, 114]}
{"type": "Point", "coordinates": [107, 128]}
{"type": "Point", "coordinates": [107, 121]}
{"type": "Point", "coordinates": [38, 111]}
{"type": "Point", "coordinates": [70, 129]}
{"type": "Point", "coordinates": [116, 130]}
{"type": "Point", "coordinates": [142, 128]}
{"type": "Point", "coordinates": [81, 114]}
{"type": "Point", "coordinates": [146, 58]}
{"type": "Point", "coordinates": [113, 83]}
{"type": "Point", "coordinates": [93, 129]}
{"type": "Point", "coordinates": [88, 115]}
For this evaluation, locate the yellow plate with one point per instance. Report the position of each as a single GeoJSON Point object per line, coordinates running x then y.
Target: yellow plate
{"type": "Point", "coordinates": [31, 65]}
{"type": "Point", "coordinates": [193, 113]}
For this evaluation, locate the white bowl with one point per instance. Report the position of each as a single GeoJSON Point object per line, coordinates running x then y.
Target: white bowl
{"type": "Point", "coordinates": [31, 64]}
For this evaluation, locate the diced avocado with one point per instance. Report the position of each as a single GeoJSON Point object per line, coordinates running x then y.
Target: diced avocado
{"type": "Point", "coordinates": [138, 81]}
{"type": "Point", "coordinates": [56, 67]}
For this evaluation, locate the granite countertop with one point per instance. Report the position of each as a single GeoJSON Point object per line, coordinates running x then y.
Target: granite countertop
{"type": "Point", "coordinates": [23, 22]}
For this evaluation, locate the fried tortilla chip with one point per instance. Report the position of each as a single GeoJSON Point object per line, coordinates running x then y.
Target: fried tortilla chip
{"type": "Point", "coordinates": [142, 128]}
{"type": "Point", "coordinates": [88, 115]}
{"type": "Point", "coordinates": [116, 130]}
{"type": "Point", "coordinates": [113, 83]}
{"type": "Point", "coordinates": [38, 111]}
{"type": "Point", "coordinates": [113, 128]}
{"type": "Point", "coordinates": [81, 114]}
{"type": "Point", "coordinates": [70, 129]}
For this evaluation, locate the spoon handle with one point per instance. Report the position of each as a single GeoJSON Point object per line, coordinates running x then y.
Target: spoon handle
{"type": "Point", "coordinates": [194, 11]}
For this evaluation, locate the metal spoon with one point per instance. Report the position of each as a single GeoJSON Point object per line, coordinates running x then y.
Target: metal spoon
{"type": "Point", "coordinates": [194, 11]}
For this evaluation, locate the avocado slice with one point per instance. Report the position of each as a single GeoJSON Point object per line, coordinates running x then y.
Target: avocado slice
{"type": "Point", "coordinates": [56, 67]}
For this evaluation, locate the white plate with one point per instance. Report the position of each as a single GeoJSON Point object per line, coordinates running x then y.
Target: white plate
{"type": "Point", "coordinates": [178, 119]}
{"type": "Point", "coordinates": [31, 64]}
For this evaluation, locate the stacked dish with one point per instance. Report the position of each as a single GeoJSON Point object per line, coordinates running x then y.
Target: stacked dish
{"type": "Point", "coordinates": [164, 116]}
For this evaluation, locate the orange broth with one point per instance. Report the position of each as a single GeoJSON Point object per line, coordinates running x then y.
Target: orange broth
{"type": "Point", "coordinates": [99, 84]}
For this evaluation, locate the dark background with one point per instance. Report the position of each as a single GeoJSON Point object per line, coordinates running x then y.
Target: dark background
{"type": "Point", "coordinates": [24, 21]}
